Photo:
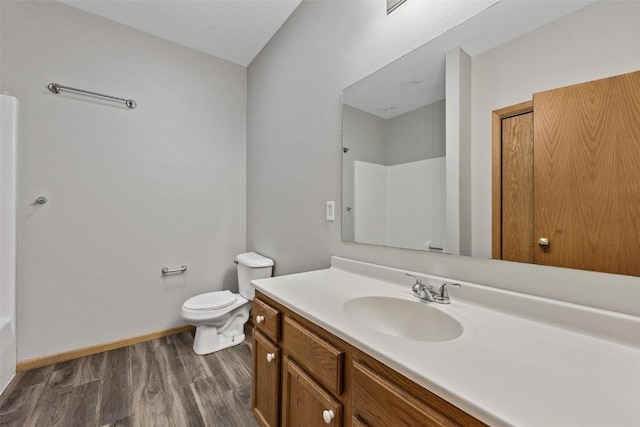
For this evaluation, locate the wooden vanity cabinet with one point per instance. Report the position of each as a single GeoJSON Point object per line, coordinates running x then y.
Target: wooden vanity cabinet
{"type": "Point", "coordinates": [266, 364]}
{"type": "Point", "coordinates": [324, 381]}
{"type": "Point", "coordinates": [377, 402]}
{"type": "Point", "coordinates": [321, 359]}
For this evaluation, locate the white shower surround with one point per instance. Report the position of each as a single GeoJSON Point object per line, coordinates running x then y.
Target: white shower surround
{"type": "Point", "coordinates": [8, 118]}
{"type": "Point", "coordinates": [401, 205]}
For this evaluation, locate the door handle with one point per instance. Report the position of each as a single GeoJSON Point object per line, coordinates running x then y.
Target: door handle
{"type": "Point", "coordinates": [544, 242]}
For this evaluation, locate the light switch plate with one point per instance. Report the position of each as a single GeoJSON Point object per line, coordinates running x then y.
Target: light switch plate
{"type": "Point", "coordinates": [331, 211]}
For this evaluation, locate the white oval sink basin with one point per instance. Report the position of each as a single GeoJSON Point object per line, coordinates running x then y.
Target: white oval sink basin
{"type": "Point", "coordinates": [414, 320]}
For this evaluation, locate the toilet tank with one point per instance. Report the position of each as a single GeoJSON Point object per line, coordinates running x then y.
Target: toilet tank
{"type": "Point", "coordinates": [252, 266]}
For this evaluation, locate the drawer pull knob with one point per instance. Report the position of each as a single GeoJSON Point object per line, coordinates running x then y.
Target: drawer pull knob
{"type": "Point", "coordinates": [259, 319]}
{"type": "Point", "coordinates": [270, 357]}
{"type": "Point", "coordinates": [327, 416]}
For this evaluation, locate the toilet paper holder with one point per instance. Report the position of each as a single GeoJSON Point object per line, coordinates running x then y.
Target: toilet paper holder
{"type": "Point", "coordinates": [167, 270]}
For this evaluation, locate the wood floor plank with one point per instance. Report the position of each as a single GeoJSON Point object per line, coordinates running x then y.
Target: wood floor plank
{"type": "Point", "coordinates": [219, 407]}
{"type": "Point", "coordinates": [125, 422]}
{"type": "Point", "coordinates": [64, 374]}
{"type": "Point", "coordinates": [182, 403]}
{"type": "Point", "coordinates": [92, 368]}
{"type": "Point", "coordinates": [236, 365]}
{"type": "Point", "coordinates": [51, 407]}
{"type": "Point", "coordinates": [148, 386]}
{"type": "Point", "coordinates": [116, 387]}
{"type": "Point", "coordinates": [33, 377]}
{"type": "Point", "coordinates": [222, 382]}
{"type": "Point", "coordinates": [195, 367]}
{"type": "Point", "coordinates": [17, 407]}
{"type": "Point", "coordinates": [84, 404]}
{"type": "Point", "coordinates": [157, 383]}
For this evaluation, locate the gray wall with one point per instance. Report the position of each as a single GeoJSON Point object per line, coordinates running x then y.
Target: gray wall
{"type": "Point", "coordinates": [130, 191]}
{"type": "Point", "coordinates": [294, 116]}
{"type": "Point", "coordinates": [363, 135]}
{"type": "Point", "coordinates": [294, 155]}
{"type": "Point", "coordinates": [416, 135]}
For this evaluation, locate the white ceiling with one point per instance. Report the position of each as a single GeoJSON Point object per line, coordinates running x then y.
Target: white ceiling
{"type": "Point", "coordinates": [235, 30]}
{"type": "Point", "coordinates": [418, 78]}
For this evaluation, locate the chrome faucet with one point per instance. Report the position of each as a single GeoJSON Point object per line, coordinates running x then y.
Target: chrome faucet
{"type": "Point", "coordinates": [428, 293]}
{"type": "Point", "coordinates": [442, 296]}
{"type": "Point", "coordinates": [420, 290]}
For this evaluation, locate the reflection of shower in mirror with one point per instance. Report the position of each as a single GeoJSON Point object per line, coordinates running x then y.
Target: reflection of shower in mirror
{"type": "Point", "coordinates": [401, 205]}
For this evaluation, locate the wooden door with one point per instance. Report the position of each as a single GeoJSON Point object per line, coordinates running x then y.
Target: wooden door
{"type": "Point", "coordinates": [305, 402]}
{"type": "Point", "coordinates": [587, 175]}
{"type": "Point", "coordinates": [266, 380]}
{"type": "Point", "coordinates": [513, 184]}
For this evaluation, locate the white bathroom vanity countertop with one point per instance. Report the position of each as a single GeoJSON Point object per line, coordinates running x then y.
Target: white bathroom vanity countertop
{"type": "Point", "coordinates": [520, 361]}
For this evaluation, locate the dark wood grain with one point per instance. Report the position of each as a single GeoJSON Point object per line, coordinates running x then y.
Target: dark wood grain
{"type": "Point", "coordinates": [155, 383]}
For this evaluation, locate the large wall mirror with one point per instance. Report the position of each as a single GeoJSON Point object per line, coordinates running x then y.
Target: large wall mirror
{"type": "Point", "coordinates": [417, 134]}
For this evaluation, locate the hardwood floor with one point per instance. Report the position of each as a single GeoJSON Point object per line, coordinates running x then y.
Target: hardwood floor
{"type": "Point", "coordinates": [156, 383]}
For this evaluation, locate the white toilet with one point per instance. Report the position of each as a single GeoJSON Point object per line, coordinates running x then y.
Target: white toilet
{"type": "Point", "coordinates": [220, 316]}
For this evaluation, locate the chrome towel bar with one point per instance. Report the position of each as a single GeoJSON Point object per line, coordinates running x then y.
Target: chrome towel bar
{"type": "Point", "coordinates": [56, 88]}
{"type": "Point", "coordinates": [166, 270]}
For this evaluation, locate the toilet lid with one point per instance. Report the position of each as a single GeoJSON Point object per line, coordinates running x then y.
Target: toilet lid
{"type": "Point", "coordinates": [211, 301]}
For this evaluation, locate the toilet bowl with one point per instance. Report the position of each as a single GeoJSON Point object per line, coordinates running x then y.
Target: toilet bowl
{"type": "Point", "coordinates": [219, 317]}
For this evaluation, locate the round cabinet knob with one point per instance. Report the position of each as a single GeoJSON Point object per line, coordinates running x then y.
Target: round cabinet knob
{"type": "Point", "coordinates": [543, 242]}
{"type": "Point", "coordinates": [270, 357]}
{"type": "Point", "coordinates": [259, 319]}
{"type": "Point", "coordinates": [327, 416]}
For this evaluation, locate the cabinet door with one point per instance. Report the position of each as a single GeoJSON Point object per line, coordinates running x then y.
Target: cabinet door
{"type": "Point", "coordinates": [266, 380]}
{"type": "Point", "coordinates": [305, 402]}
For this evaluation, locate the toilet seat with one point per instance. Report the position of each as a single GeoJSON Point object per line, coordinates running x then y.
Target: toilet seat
{"type": "Point", "coordinates": [211, 301]}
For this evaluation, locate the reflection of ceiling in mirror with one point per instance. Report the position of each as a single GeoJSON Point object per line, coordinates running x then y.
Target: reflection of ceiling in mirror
{"type": "Point", "coordinates": [418, 79]}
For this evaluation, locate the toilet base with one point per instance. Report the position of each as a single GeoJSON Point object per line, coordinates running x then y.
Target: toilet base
{"type": "Point", "coordinates": [208, 340]}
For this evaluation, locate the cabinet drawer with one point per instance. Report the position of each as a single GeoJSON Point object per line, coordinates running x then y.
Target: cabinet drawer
{"type": "Point", "coordinates": [376, 402]}
{"type": "Point", "coordinates": [266, 319]}
{"type": "Point", "coordinates": [321, 359]}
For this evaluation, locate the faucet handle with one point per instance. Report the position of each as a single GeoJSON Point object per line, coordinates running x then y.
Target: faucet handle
{"type": "Point", "coordinates": [442, 296]}
{"type": "Point", "coordinates": [418, 285]}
